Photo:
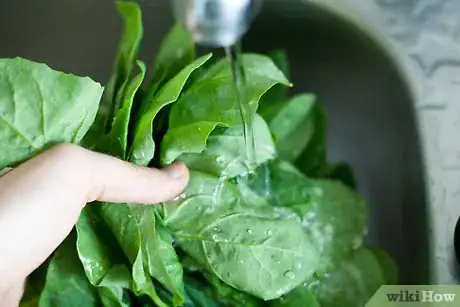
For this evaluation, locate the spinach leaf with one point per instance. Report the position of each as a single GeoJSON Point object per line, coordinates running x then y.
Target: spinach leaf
{"type": "Point", "coordinates": [148, 247]}
{"type": "Point", "coordinates": [335, 217]}
{"type": "Point", "coordinates": [142, 282]}
{"type": "Point", "coordinates": [292, 126]}
{"type": "Point", "coordinates": [40, 107]}
{"type": "Point", "coordinates": [353, 284]}
{"type": "Point", "coordinates": [225, 151]}
{"type": "Point", "coordinates": [341, 172]}
{"type": "Point", "coordinates": [244, 245]}
{"type": "Point", "coordinates": [116, 141]}
{"type": "Point", "coordinates": [280, 59]}
{"type": "Point", "coordinates": [66, 283]}
{"type": "Point", "coordinates": [229, 296]}
{"type": "Point", "coordinates": [127, 236]}
{"type": "Point", "coordinates": [94, 250]}
{"type": "Point", "coordinates": [161, 258]}
{"type": "Point", "coordinates": [143, 146]}
{"type": "Point", "coordinates": [113, 288]}
{"type": "Point", "coordinates": [101, 257]}
{"type": "Point", "coordinates": [313, 159]}
{"type": "Point", "coordinates": [300, 296]}
{"type": "Point", "coordinates": [126, 56]}
{"type": "Point", "coordinates": [197, 297]}
{"type": "Point", "coordinates": [332, 214]}
{"type": "Point", "coordinates": [177, 50]}
{"type": "Point", "coordinates": [114, 297]}
{"type": "Point", "coordinates": [389, 268]}
{"type": "Point", "coordinates": [211, 102]}
{"type": "Point", "coordinates": [34, 286]}
{"type": "Point", "coordinates": [207, 199]}
{"type": "Point", "coordinates": [263, 257]}
{"type": "Point", "coordinates": [277, 94]}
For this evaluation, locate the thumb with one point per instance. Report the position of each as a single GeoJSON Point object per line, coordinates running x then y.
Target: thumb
{"type": "Point", "coordinates": [114, 180]}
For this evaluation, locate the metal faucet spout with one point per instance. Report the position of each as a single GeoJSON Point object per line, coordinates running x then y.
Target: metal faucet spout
{"type": "Point", "coordinates": [216, 23]}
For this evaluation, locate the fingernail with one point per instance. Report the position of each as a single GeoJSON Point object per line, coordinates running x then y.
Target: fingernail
{"type": "Point", "coordinates": [176, 170]}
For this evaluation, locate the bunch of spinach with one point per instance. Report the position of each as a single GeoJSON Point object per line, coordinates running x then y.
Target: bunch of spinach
{"type": "Point", "coordinates": [286, 232]}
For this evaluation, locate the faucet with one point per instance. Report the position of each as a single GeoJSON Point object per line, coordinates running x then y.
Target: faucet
{"type": "Point", "coordinates": [216, 23]}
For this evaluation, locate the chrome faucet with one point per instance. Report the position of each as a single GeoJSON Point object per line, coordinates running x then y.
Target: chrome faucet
{"type": "Point", "coordinates": [216, 23]}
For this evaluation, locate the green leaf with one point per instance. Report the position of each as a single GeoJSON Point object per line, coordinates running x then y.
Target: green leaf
{"type": "Point", "coordinates": [40, 107]}
{"type": "Point", "coordinates": [34, 286]}
{"type": "Point", "coordinates": [292, 126]}
{"type": "Point", "coordinates": [114, 93]}
{"type": "Point", "coordinates": [280, 58]}
{"type": "Point", "coordinates": [229, 296]}
{"type": "Point", "coordinates": [101, 257]}
{"type": "Point", "coordinates": [313, 159]}
{"type": "Point", "coordinates": [112, 290]}
{"type": "Point", "coordinates": [263, 257]}
{"type": "Point", "coordinates": [300, 296]}
{"type": "Point", "coordinates": [177, 50]}
{"type": "Point", "coordinates": [389, 268]}
{"type": "Point", "coordinates": [96, 247]}
{"type": "Point", "coordinates": [206, 199]}
{"type": "Point", "coordinates": [146, 246]}
{"type": "Point", "coordinates": [116, 141]}
{"type": "Point", "coordinates": [267, 257]}
{"type": "Point", "coordinates": [333, 215]}
{"type": "Point", "coordinates": [114, 297]}
{"type": "Point", "coordinates": [341, 172]}
{"type": "Point", "coordinates": [143, 147]}
{"type": "Point", "coordinates": [353, 284]}
{"type": "Point", "coordinates": [277, 93]}
{"type": "Point", "coordinates": [197, 297]}
{"type": "Point", "coordinates": [162, 261]}
{"type": "Point", "coordinates": [142, 282]}
{"type": "Point", "coordinates": [211, 102]}
{"type": "Point", "coordinates": [225, 153]}
{"type": "Point", "coordinates": [66, 282]}
{"type": "Point", "coordinates": [127, 236]}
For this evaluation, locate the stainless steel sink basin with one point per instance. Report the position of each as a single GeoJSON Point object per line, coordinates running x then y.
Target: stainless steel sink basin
{"type": "Point", "coordinates": [372, 120]}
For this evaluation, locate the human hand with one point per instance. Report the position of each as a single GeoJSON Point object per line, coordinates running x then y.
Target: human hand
{"type": "Point", "coordinates": [41, 200]}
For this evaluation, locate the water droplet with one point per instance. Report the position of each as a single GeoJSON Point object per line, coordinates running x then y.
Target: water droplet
{"type": "Point", "coordinates": [216, 229]}
{"type": "Point", "coordinates": [214, 237]}
{"type": "Point", "coordinates": [269, 232]}
{"type": "Point", "coordinates": [279, 262]}
{"type": "Point", "coordinates": [130, 216]}
{"type": "Point", "coordinates": [220, 159]}
{"type": "Point", "coordinates": [289, 274]}
{"type": "Point", "coordinates": [249, 231]}
{"type": "Point", "coordinates": [299, 265]}
{"type": "Point", "coordinates": [229, 274]}
{"type": "Point", "coordinates": [240, 261]}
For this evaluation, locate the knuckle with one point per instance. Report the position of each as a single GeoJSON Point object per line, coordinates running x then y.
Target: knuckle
{"type": "Point", "coordinates": [68, 156]}
{"type": "Point", "coordinates": [65, 150]}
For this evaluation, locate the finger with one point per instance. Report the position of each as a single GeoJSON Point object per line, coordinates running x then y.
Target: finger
{"type": "Point", "coordinates": [106, 178]}
{"type": "Point", "coordinates": [115, 180]}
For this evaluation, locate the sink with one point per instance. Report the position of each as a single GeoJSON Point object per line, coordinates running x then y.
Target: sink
{"type": "Point", "coordinates": [372, 120]}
